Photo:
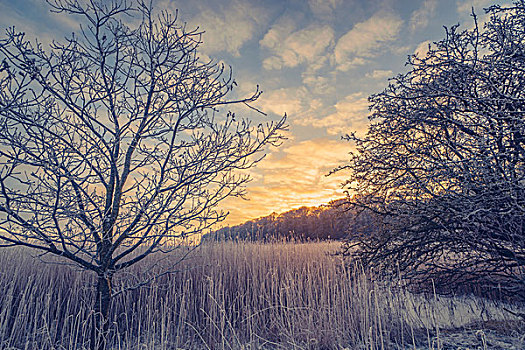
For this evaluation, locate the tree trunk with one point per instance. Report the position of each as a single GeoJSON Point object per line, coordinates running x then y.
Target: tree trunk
{"type": "Point", "coordinates": [100, 324]}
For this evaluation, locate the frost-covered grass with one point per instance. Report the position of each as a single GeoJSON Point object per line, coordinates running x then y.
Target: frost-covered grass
{"type": "Point", "coordinates": [245, 295]}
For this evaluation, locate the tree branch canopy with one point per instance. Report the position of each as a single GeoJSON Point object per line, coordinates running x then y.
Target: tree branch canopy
{"type": "Point", "coordinates": [441, 169]}
{"type": "Point", "coordinates": [114, 142]}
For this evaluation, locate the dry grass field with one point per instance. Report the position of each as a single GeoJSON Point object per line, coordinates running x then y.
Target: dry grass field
{"type": "Point", "coordinates": [245, 296]}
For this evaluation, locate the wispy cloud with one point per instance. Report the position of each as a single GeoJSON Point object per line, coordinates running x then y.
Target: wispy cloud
{"type": "Point", "coordinates": [324, 9]}
{"type": "Point", "coordinates": [421, 17]}
{"type": "Point", "coordinates": [35, 19]}
{"type": "Point", "coordinates": [380, 74]}
{"type": "Point", "coordinates": [422, 49]}
{"type": "Point", "coordinates": [294, 177]}
{"type": "Point", "coordinates": [292, 101]}
{"type": "Point", "coordinates": [290, 48]}
{"type": "Point", "coordinates": [350, 115]}
{"type": "Point", "coordinates": [229, 27]}
{"type": "Point", "coordinates": [464, 7]}
{"type": "Point", "coordinates": [366, 38]}
{"type": "Point", "coordinates": [320, 85]}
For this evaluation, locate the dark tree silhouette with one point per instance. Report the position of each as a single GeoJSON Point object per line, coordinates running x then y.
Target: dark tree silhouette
{"type": "Point", "coordinates": [113, 146]}
{"type": "Point", "coordinates": [442, 166]}
{"type": "Point", "coordinates": [325, 222]}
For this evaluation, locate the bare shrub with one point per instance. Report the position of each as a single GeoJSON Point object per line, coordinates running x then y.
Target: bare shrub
{"type": "Point", "coordinates": [441, 170]}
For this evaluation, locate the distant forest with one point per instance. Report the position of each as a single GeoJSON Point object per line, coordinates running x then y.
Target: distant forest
{"type": "Point", "coordinates": [331, 221]}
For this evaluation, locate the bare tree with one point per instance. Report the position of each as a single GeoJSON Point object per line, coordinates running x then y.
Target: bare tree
{"type": "Point", "coordinates": [113, 145]}
{"type": "Point", "coordinates": [441, 169]}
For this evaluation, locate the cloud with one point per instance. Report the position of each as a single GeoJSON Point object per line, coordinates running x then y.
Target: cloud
{"type": "Point", "coordinates": [293, 177]}
{"type": "Point", "coordinates": [278, 33]}
{"type": "Point", "coordinates": [350, 115]}
{"type": "Point", "coordinates": [464, 7]}
{"type": "Point", "coordinates": [307, 154]}
{"type": "Point", "coordinates": [290, 48]}
{"type": "Point", "coordinates": [36, 21]}
{"type": "Point", "coordinates": [421, 16]}
{"type": "Point", "coordinates": [422, 49]}
{"type": "Point", "coordinates": [366, 38]}
{"type": "Point", "coordinates": [380, 74]}
{"type": "Point", "coordinates": [319, 84]}
{"type": "Point", "coordinates": [228, 28]}
{"type": "Point", "coordinates": [293, 101]}
{"type": "Point", "coordinates": [324, 8]}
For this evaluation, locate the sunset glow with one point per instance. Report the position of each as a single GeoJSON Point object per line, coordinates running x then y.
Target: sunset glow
{"type": "Point", "coordinates": [317, 61]}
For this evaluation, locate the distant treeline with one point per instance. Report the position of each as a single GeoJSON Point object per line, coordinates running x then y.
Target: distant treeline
{"type": "Point", "coordinates": [330, 221]}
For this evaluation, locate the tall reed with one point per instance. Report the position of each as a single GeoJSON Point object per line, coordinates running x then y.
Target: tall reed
{"type": "Point", "coordinates": [230, 296]}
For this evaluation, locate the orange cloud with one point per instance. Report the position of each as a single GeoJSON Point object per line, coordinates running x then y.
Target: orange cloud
{"type": "Point", "coordinates": [293, 177]}
{"type": "Point", "coordinates": [351, 114]}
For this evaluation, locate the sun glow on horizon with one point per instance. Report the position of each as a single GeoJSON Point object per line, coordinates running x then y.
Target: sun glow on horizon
{"type": "Point", "coordinates": [293, 177]}
{"type": "Point", "coordinates": [317, 61]}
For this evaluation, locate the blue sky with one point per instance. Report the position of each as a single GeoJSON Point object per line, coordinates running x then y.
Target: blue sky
{"type": "Point", "coordinates": [316, 60]}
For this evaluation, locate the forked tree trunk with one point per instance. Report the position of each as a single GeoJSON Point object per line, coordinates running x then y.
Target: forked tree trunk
{"type": "Point", "coordinates": [100, 324]}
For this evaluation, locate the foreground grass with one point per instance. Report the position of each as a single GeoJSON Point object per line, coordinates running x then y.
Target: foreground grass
{"type": "Point", "coordinates": [240, 296]}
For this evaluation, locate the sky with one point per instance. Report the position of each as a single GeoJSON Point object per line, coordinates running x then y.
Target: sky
{"type": "Point", "coordinates": [315, 60]}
